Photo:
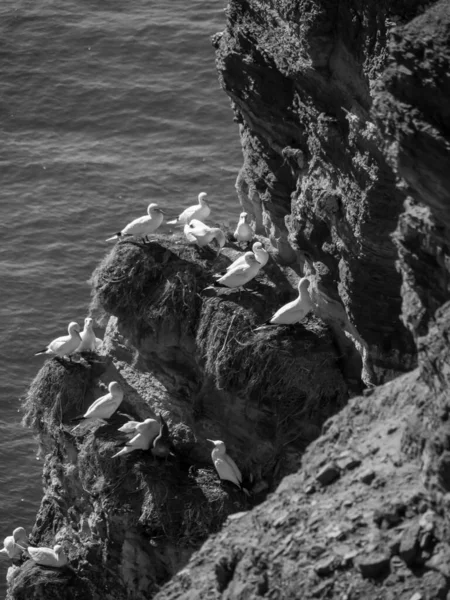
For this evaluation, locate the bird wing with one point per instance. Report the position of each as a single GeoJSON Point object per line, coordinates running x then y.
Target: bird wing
{"type": "Point", "coordinates": [234, 466]}
{"type": "Point", "coordinates": [136, 226]}
{"type": "Point", "coordinates": [129, 427]}
{"type": "Point", "coordinates": [239, 261]}
{"type": "Point", "coordinates": [225, 471]}
{"type": "Point", "coordinates": [43, 556]}
{"type": "Point", "coordinates": [285, 313]}
{"type": "Point", "coordinates": [58, 342]}
{"type": "Point", "coordinates": [103, 407]}
{"type": "Point", "coordinates": [240, 275]}
{"type": "Point", "coordinates": [188, 214]}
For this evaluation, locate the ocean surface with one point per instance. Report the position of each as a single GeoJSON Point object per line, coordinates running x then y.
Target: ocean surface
{"type": "Point", "coordinates": [104, 107]}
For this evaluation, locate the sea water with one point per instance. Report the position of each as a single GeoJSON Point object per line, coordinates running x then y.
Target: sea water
{"type": "Point", "coordinates": [105, 106]}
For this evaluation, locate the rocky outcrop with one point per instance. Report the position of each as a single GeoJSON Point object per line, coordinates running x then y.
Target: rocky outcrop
{"type": "Point", "coordinates": [366, 517]}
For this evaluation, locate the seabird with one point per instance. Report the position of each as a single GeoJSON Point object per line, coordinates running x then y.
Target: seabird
{"type": "Point", "coordinates": [262, 256]}
{"type": "Point", "coordinates": [89, 343]}
{"type": "Point", "coordinates": [243, 231]}
{"type": "Point", "coordinates": [200, 211]}
{"type": "Point", "coordinates": [104, 407]}
{"type": "Point", "coordinates": [202, 234]}
{"type": "Point", "coordinates": [141, 441]}
{"type": "Point", "coordinates": [162, 443]}
{"type": "Point", "coordinates": [66, 344]}
{"type": "Point", "coordinates": [224, 464]}
{"type": "Point", "coordinates": [129, 428]}
{"type": "Point", "coordinates": [241, 274]}
{"type": "Point", "coordinates": [142, 226]}
{"type": "Point", "coordinates": [12, 543]}
{"type": "Point", "coordinates": [48, 557]}
{"type": "Point", "coordinates": [295, 311]}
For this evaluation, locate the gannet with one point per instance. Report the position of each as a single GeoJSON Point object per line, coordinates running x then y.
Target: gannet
{"type": "Point", "coordinates": [243, 231]}
{"type": "Point", "coordinates": [202, 234]}
{"type": "Point", "coordinates": [224, 464]}
{"type": "Point", "coordinates": [130, 428]}
{"type": "Point", "coordinates": [104, 407]}
{"type": "Point", "coordinates": [294, 311]}
{"type": "Point", "coordinates": [66, 344]}
{"type": "Point", "coordinates": [261, 254]}
{"type": "Point", "coordinates": [200, 211]}
{"type": "Point", "coordinates": [48, 557]}
{"type": "Point", "coordinates": [142, 226]}
{"type": "Point", "coordinates": [161, 443]}
{"type": "Point", "coordinates": [142, 440]}
{"type": "Point", "coordinates": [89, 343]}
{"type": "Point", "coordinates": [13, 544]}
{"type": "Point", "coordinates": [241, 274]}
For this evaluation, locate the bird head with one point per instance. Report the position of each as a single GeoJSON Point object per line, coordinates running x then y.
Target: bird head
{"type": "Point", "coordinates": [88, 323]}
{"type": "Point", "coordinates": [73, 328]}
{"type": "Point", "coordinates": [257, 246]}
{"type": "Point", "coordinates": [58, 549]}
{"type": "Point", "coordinates": [202, 199]}
{"type": "Point", "coordinates": [115, 389]}
{"type": "Point", "coordinates": [243, 216]}
{"type": "Point", "coordinates": [303, 284]}
{"type": "Point", "coordinates": [19, 533]}
{"type": "Point", "coordinates": [250, 258]}
{"type": "Point", "coordinates": [218, 444]}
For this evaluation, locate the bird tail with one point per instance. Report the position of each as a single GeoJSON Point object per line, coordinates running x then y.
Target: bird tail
{"type": "Point", "coordinates": [43, 351]}
{"type": "Point", "coordinates": [124, 450]}
{"type": "Point", "coordinates": [172, 222]}
{"type": "Point", "coordinates": [77, 419]}
{"type": "Point", "coordinates": [114, 237]}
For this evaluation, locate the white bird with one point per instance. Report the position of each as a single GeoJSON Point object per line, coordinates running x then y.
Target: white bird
{"type": "Point", "coordinates": [224, 464]}
{"type": "Point", "coordinates": [89, 343]}
{"type": "Point", "coordinates": [241, 274]}
{"type": "Point", "coordinates": [294, 311]}
{"type": "Point", "coordinates": [48, 557]}
{"type": "Point", "coordinates": [143, 438]}
{"type": "Point", "coordinates": [142, 226]}
{"type": "Point", "coordinates": [243, 231]}
{"type": "Point", "coordinates": [66, 344]}
{"type": "Point", "coordinates": [11, 543]}
{"type": "Point", "coordinates": [104, 407]}
{"type": "Point", "coordinates": [130, 430]}
{"type": "Point", "coordinates": [202, 234]}
{"type": "Point", "coordinates": [200, 211]}
{"type": "Point", "coordinates": [262, 256]}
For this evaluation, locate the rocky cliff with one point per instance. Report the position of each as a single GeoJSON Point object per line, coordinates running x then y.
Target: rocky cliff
{"type": "Point", "coordinates": [345, 133]}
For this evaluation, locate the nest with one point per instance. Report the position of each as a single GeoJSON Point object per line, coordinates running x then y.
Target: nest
{"type": "Point", "coordinates": [57, 391]}
{"type": "Point", "coordinates": [144, 284]}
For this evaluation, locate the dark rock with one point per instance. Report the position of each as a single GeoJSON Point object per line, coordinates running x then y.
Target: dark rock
{"type": "Point", "coordinates": [409, 546]}
{"type": "Point", "coordinates": [373, 565]}
{"type": "Point", "coordinates": [327, 565]}
{"type": "Point", "coordinates": [367, 476]}
{"type": "Point", "coordinates": [328, 474]}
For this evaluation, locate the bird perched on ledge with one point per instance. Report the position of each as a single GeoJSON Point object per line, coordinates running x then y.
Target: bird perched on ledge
{"type": "Point", "coordinates": [202, 234]}
{"type": "Point", "coordinates": [13, 544]}
{"type": "Point", "coordinates": [241, 273]}
{"type": "Point", "coordinates": [200, 211]}
{"type": "Point", "coordinates": [225, 466]}
{"type": "Point", "coordinates": [64, 345]}
{"type": "Point", "coordinates": [142, 226]}
{"type": "Point", "coordinates": [104, 407]}
{"type": "Point", "coordinates": [243, 231]}
{"type": "Point", "coordinates": [292, 312]}
{"type": "Point", "coordinates": [89, 343]}
{"type": "Point", "coordinates": [145, 433]}
{"type": "Point", "coordinates": [48, 557]}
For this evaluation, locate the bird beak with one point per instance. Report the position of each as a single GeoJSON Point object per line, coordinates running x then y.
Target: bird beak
{"type": "Point", "coordinates": [212, 441]}
{"type": "Point", "coordinates": [162, 211]}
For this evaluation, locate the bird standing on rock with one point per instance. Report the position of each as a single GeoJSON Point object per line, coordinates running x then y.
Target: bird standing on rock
{"type": "Point", "coordinates": [241, 274]}
{"type": "Point", "coordinates": [225, 465]}
{"type": "Point", "coordinates": [89, 343]}
{"type": "Point", "coordinates": [129, 428]}
{"type": "Point", "coordinates": [261, 254]}
{"type": "Point", "coordinates": [48, 557]}
{"type": "Point", "coordinates": [104, 407]}
{"type": "Point", "coordinates": [66, 345]}
{"type": "Point", "coordinates": [200, 211]}
{"type": "Point", "coordinates": [162, 443]}
{"type": "Point", "coordinates": [142, 440]}
{"type": "Point", "coordinates": [142, 226]}
{"type": "Point", "coordinates": [202, 234]}
{"type": "Point", "coordinates": [243, 231]}
{"type": "Point", "coordinates": [293, 312]}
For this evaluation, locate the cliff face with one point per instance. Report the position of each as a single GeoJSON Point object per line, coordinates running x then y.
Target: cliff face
{"type": "Point", "coordinates": [345, 135]}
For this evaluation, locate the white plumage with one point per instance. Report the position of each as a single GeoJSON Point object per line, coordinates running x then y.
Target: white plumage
{"type": "Point", "coordinates": [48, 557]}
{"type": "Point", "coordinates": [200, 211]}
{"type": "Point", "coordinates": [89, 343]}
{"type": "Point", "coordinates": [145, 434]}
{"type": "Point", "coordinates": [262, 256]}
{"type": "Point", "coordinates": [142, 226]}
{"type": "Point", "coordinates": [243, 231]}
{"type": "Point", "coordinates": [294, 311]}
{"type": "Point", "coordinates": [66, 344]}
{"type": "Point", "coordinates": [105, 406]}
{"type": "Point", "coordinates": [11, 543]}
{"type": "Point", "coordinates": [202, 234]}
{"type": "Point", "coordinates": [242, 273]}
{"type": "Point", "coordinates": [129, 428]}
{"type": "Point", "coordinates": [224, 464]}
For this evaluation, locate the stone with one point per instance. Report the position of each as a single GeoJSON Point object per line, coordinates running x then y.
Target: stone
{"type": "Point", "coordinates": [329, 473]}
{"type": "Point", "coordinates": [367, 476]}
{"type": "Point", "coordinates": [409, 545]}
{"type": "Point", "coordinates": [373, 565]}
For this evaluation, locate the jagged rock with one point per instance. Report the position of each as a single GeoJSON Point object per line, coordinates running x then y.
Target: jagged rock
{"type": "Point", "coordinates": [328, 474]}
{"type": "Point", "coordinates": [373, 565]}
{"type": "Point", "coordinates": [409, 544]}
